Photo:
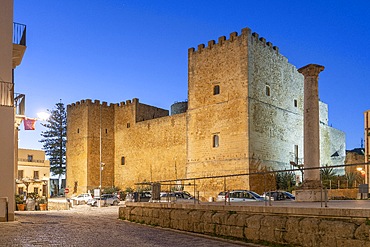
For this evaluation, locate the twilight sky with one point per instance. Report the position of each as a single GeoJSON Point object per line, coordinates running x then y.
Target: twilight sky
{"type": "Point", "coordinates": [115, 50]}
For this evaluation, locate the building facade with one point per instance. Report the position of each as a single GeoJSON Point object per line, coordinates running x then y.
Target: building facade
{"type": "Point", "coordinates": [33, 173]}
{"type": "Point", "coordinates": [12, 48]}
{"type": "Point", "coordinates": [244, 114]}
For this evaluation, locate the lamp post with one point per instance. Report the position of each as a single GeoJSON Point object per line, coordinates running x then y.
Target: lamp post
{"type": "Point", "coordinates": [100, 160]}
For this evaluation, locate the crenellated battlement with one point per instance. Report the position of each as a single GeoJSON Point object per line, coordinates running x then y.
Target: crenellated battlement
{"type": "Point", "coordinates": [232, 37]}
{"type": "Point", "coordinates": [221, 41]}
{"type": "Point", "coordinates": [262, 41]}
{"type": "Point", "coordinates": [89, 102]}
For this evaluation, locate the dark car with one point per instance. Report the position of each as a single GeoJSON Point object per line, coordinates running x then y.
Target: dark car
{"type": "Point", "coordinates": [143, 196]}
{"type": "Point", "coordinates": [278, 195]}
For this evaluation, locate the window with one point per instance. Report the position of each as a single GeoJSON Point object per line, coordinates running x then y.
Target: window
{"type": "Point", "coordinates": [20, 174]}
{"type": "Point", "coordinates": [30, 158]}
{"type": "Point", "coordinates": [216, 89]}
{"type": "Point", "coordinates": [268, 93]}
{"type": "Point", "coordinates": [295, 103]}
{"type": "Point", "coordinates": [36, 174]}
{"type": "Point", "coordinates": [20, 190]}
{"type": "Point", "coordinates": [123, 160]}
{"type": "Point", "coordinates": [128, 125]}
{"type": "Point", "coordinates": [78, 131]}
{"type": "Point", "coordinates": [215, 141]}
{"type": "Point", "coordinates": [36, 190]}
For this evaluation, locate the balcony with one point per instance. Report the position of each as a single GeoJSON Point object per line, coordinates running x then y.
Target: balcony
{"type": "Point", "coordinates": [19, 43]}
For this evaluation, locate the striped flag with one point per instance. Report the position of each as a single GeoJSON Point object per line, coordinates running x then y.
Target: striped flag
{"type": "Point", "coordinates": [29, 123]}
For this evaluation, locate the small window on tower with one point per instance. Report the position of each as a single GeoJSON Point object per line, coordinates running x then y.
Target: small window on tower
{"type": "Point", "coordinates": [268, 93]}
{"type": "Point", "coordinates": [128, 125]}
{"type": "Point", "coordinates": [295, 103]}
{"type": "Point", "coordinates": [216, 141]}
{"type": "Point", "coordinates": [216, 89]}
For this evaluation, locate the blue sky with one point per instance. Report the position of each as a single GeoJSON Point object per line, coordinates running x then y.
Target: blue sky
{"type": "Point", "coordinates": [115, 50]}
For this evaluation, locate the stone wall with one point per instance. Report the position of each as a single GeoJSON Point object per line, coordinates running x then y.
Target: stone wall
{"type": "Point", "coordinates": [279, 225]}
{"type": "Point", "coordinates": [90, 124]}
{"type": "Point", "coordinates": [241, 90]}
{"type": "Point", "coordinates": [153, 150]}
{"type": "Point", "coordinates": [58, 205]}
{"type": "Point", "coordinates": [224, 113]}
{"type": "Point", "coordinates": [275, 106]}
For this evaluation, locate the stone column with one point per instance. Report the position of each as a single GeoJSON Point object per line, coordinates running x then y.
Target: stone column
{"type": "Point", "coordinates": [311, 183]}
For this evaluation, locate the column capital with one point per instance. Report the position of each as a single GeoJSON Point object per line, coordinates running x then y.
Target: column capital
{"type": "Point", "coordinates": [311, 70]}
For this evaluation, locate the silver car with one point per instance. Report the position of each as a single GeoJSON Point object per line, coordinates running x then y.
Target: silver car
{"type": "Point", "coordinates": [107, 199]}
{"type": "Point", "coordinates": [243, 196]}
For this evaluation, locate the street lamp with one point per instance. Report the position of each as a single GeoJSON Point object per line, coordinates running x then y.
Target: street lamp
{"type": "Point", "coordinates": [359, 169]}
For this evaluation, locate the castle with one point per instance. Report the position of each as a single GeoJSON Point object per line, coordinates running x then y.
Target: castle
{"type": "Point", "coordinates": [244, 111]}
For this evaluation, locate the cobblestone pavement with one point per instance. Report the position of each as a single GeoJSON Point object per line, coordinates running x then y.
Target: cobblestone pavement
{"type": "Point", "coordinates": [87, 226]}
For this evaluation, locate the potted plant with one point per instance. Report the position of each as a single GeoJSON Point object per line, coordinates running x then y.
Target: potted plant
{"type": "Point", "coordinates": [20, 202]}
{"type": "Point", "coordinates": [42, 204]}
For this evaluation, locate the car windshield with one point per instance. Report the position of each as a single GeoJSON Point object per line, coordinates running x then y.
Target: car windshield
{"type": "Point", "coordinates": [289, 194]}
{"type": "Point", "coordinates": [255, 194]}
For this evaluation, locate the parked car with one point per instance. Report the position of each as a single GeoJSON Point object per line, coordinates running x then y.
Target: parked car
{"type": "Point", "coordinates": [176, 196]}
{"type": "Point", "coordinates": [278, 195]}
{"type": "Point", "coordinates": [221, 196]}
{"type": "Point", "coordinates": [82, 198]}
{"type": "Point", "coordinates": [143, 196]}
{"type": "Point", "coordinates": [242, 196]}
{"type": "Point", "coordinates": [107, 199]}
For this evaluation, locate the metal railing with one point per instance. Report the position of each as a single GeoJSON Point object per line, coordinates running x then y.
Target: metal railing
{"type": "Point", "coordinates": [31, 161]}
{"type": "Point", "coordinates": [19, 34]}
{"type": "Point", "coordinates": [266, 182]}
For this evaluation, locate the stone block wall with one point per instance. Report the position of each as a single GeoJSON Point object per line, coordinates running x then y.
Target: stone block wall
{"type": "Point", "coordinates": [221, 113]}
{"type": "Point", "coordinates": [275, 106]}
{"type": "Point", "coordinates": [153, 150]}
{"type": "Point", "coordinates": [90, 124]}
{"type": "Point", "coordinates": [290, 226]}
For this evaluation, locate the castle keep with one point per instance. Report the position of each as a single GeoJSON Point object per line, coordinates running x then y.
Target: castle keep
{"type": "Point", "coordinates": [244, 112]}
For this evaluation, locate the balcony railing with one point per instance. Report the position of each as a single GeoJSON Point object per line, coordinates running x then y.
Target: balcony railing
{"type": "Point", "coordinates": [19, 34]}
{"type": "Point", "coordinates": [33, 161]}
{"type": "Point", "coordinates": [20, 103]}
{"type": "Point", "coordinates": [6, 93]}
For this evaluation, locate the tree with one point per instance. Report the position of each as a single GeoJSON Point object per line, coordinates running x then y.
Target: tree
{"type": "Point", "coordinates": [285, 180]}
{"type": "Point", "coordinates": [327, 174]}
{"type": "Point", "coordinates": [55, 138]}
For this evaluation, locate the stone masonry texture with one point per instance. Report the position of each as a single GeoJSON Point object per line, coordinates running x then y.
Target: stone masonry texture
{"type": "Point", "coordinates": [94, 227]}
{"type": "Point", "coordinates": [241, 90]}
{"type": "Point", "coordinates": [276, 225]}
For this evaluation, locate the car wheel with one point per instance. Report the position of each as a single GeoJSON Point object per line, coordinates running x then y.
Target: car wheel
{"type": "Point", "coordinates": [115, 203]}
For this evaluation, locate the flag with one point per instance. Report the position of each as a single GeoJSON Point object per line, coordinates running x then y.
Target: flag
{"type": "Point", "coordinates": [29, 123]}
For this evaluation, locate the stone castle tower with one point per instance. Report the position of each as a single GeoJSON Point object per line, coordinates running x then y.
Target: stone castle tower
{"type": "Point", "coordinates": [245, 112]}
